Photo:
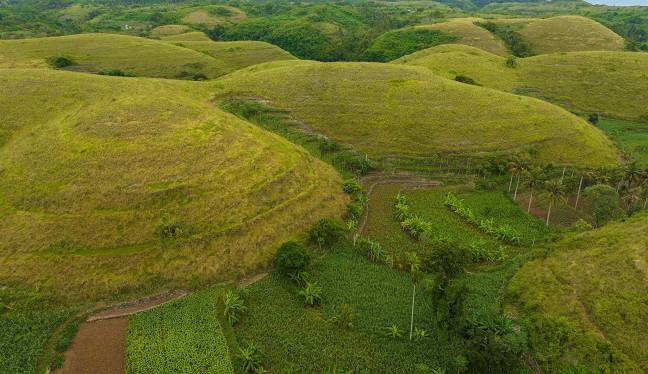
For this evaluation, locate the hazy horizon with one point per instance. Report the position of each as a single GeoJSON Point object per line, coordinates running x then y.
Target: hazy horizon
{"type": "Point", "coordinates": [619, 2]}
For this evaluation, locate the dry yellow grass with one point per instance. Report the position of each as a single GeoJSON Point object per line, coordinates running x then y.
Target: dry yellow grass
{"type": "Point", "coordinates": [389, 109]}
{"type": "Point", "coordinates": [193, 36]}
{"type": "Point", "coordinates": [169, 30]}
{"type": "Point", "coordinates": [612, 83]}
{"type": "Point", "coordinates": [90, 164]}
{"type": "Point", "coordinates": [470, 34]}
{"type": "Point", "coordinates": [208, 16]}
{"type": "Point", "coordinates": [568, 34]}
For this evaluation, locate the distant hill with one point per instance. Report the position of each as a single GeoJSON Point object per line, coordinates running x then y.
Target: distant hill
{"type": "Point", "coordinates": [106, 53]}
{"type": "Point", "coordinates": [386, 109]}
{"type": "Point", "coordinates": [585, 303]}
{"type": "Point", "coordinates": [567, 34]}
{"type": "Point", "coordinates": [111, 184]}
{"type": "Point", "coordinates": [612, 83]}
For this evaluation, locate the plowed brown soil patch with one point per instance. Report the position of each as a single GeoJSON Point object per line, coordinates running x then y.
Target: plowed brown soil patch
{"type": "Point", "coordinates": [98, 348]}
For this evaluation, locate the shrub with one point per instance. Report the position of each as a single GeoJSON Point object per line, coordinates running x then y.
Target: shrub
{"type": "Point", "coordinates": [354, 210]}
{"type": "Point", "coordinates": [312, 294]}
{"type": "Point", "coordinates": [250, 357]}
{"type": "Point", "coordinates": [605, 203]}
{"type": "Point", "coordinates": [233, 306]}
{"type": "Point", "coordinates": [199, 77]}
{"type": "Point", "coordinates": [292, 258]}
{"type": "Point", "coordinates": [115, 73]}
{"type": "Point", "coordinates": [346, 316]}
{"type": "Point", "coordinates": [465, 79]}
{"type": "Point", "coordinates": [326, 232]}
{"type": "Point", "coordinates": [59, 62]}
{"type": "Point", "coordinates": [352, 187]}
{"type": "Point", "coordinates": [511, 62]}
{"type": "Point", "coordinates": [393, 331]}
{"type": "Point", "coordinates": [420, 334]}
{"type": "Point", "coordinates": [168, 229]}
{"type": "Point", "coordinates": [372, 250]}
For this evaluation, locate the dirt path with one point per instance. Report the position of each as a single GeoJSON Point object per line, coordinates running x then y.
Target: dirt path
{"type": "Point", "coordinates": [142, 305]}
{"type": "Point", "coordinates": [98, 348]}
{"type": "Point", "coordinates": [408, 181]}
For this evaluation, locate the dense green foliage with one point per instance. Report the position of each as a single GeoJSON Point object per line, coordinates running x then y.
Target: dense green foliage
{"type": "Point", "coordinates": [510, 36]}
{"type": "Point", "coordinates": [183, 336]}
{"type": "Point", "coordinates": [394, 44]}
{"type": "Point", "coordinates": [23, 335]}
{"type": "Point", "coordinates": [292, 258]}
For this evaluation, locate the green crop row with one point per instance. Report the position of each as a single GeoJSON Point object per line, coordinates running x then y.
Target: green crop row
{"type": "Point", "coordinates": [182, 337]}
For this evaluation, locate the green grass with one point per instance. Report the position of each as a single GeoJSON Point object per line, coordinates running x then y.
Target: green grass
{"type": "Point", "coordinates": [585, 302]}
{"type": "Point", "coordinates": [470, 34]}
{"type": "Point", "coordinates": [500, 207]}
{"type": "Point", "coordinates": [631, 137]}
{"type": "Point", "coordinates": [310, 343]}
{"type": "Point", "coordinates": [385, 109]}
{"type": "Point", "coordinates": [614, 84]}
{"type": "Point", "coordinates": [183, 336]}
{"type": "Point", "coordinates": [91, 164]}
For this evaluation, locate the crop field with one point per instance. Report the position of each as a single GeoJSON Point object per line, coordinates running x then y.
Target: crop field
{"type": "Point", "coordinates": [597, 303]}
{"type": "Point", "coordinates": [310, 342]}
{"type": "Point", "coordinates": [632, 138]}
{"type": "Point", "coordinates": [183, 336]}
{"type": "Point", "coordinates": [23, 336]}
{"type": "Point", "coordinates": [198, 181]}
{"type": "Point", "coordinates": [611, 83]}
{"type": "Point", "coordinates": [386, 109]}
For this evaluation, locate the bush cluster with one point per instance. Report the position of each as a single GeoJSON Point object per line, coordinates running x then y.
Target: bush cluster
{"type": "Point", "coordinates": [502, 232]}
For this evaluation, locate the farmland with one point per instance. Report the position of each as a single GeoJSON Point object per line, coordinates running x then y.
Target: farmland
{"type": "Point", "coordinates": [323, 187]}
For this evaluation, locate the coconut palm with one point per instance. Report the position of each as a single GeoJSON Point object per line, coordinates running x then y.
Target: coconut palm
{"type": "Point", "coordinates": [555, 192]}
{"type": "Point", "coordinates": [588, 175]}
{"type": "Point", "coordinates": [633, 174]}
{"type": "Point", "coordinates": [603, 176]}
{"type": "Point", "coordinates": [534, 179]}
{"type": "Point", "coordinates": [516, 166]}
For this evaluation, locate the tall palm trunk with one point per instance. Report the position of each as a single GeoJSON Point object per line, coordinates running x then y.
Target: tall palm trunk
{"type": "Point", "coordinates": [645, 202]}
{"type": "Point", "coordinates": [516, 187]}
{"type": "Point", "coordinates": [578, 194]}
{"type": "Point", "coordinates": [511, 182]}
{"type": "Point", "coordinates": [530, 200]}
{"type": "Point", "coordinates": [549, 212]}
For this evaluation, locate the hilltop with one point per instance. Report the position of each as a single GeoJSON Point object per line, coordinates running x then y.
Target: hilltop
{"type": "Point", "coordinates": [611, 83]}
{"type": "Point", "coordinates": [569, 34]}
{"type": "Point", "coordinates": [107, 53]}
{"type": "Point", "coordinates": [387, 109]}
{"type": "Point", "coordinates": [113, 184]}
{"type": "Point", "coordinates": [589, 293]}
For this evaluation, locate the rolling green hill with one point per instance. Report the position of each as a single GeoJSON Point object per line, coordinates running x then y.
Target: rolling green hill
{"type": "Point", "coordinates": [386, 109]}
{"type": "Point", "coordinates": [181, 57]}
{"type": "Point", "coordinates": [614, 84]}
{"type": "Point", "coordinates": [569, 34]}
{"type": "Point", "coordinates": [470, 34]}
{"type": "Point", "coordinates": [586, 302]}
{"type": "Point", "coordinates": [109, 185]}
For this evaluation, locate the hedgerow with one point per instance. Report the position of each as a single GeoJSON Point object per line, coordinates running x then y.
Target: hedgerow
{"type": "Point", "coordinates": [503, 232]}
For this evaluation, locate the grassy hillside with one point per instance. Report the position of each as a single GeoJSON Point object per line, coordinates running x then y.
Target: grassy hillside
{"type": "Point", "coordinates": [184, 56]}
{"type": "Point", "coordinates": [589, 291]}
{"type": "Point", "coordinates": [213, 15]}
{"type": "Point", "coordinates": [235, 55]}
{"type": "Point", "coordinates": [570, 33]}
{"type": "Point", "coordinates": [470, 34]}
{"type": "Point", "coordinates": [386, 109]}
{"type": "Point", "coordinates": [97, 52]}
{"type": "Point", "coordinates": [612, 83]}
{"type": "Point", "coordinates": [112, 184]}
{"type": "Point", "coordinates": [169, 30]}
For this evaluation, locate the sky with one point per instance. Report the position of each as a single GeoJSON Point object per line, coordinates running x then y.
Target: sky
{"type": "Point", "coordinates": [619, 2]}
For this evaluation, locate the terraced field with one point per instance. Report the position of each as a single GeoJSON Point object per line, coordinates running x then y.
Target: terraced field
{"type": "Point", "coordinates": [385, 109]}
{"type": "Point", "coordinates": [110, 184]}
{"type": "Point", "coordinates": [611, 83]}
{"type": "Point", "coordinates": [183, 56]}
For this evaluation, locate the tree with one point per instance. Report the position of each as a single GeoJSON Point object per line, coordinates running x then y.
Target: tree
{"type": "Point", "coordinates": [292, 258]}
{"type": "Point", "coordinates": [587, 175]}
{"type": "Point", "coordinates": [605, 203]}
{"type": "Point", "coordinates": [326, 232]}
{"type": "Point", "coordinates": [516, 166]}
{"type": "Point", "coordinates": [535, 179]}
{"type": "Point", "coordinates": [555, 192]}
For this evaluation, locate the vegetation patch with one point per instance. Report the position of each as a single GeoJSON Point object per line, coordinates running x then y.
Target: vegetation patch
{"type": "Point", "coordinates": [394, 44]}
{"type": "Point", "coordinates": [184, 336]}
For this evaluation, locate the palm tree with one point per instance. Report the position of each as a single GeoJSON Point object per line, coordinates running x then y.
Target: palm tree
{"type": "Point", "coordinates": [535, 179]}
{"type": "Point", "coordinates": [587, 175]}
{"type": "Point", "coordinates": [516, 166]}
{"type": "Point", "coordinates": [633, 174]}
{"type": "Point", "coordinates": [603, 176]}
{"type": "Point", "coordinates": [630, 195]}
{"type": "Point", "coordinates": [555, 192]}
